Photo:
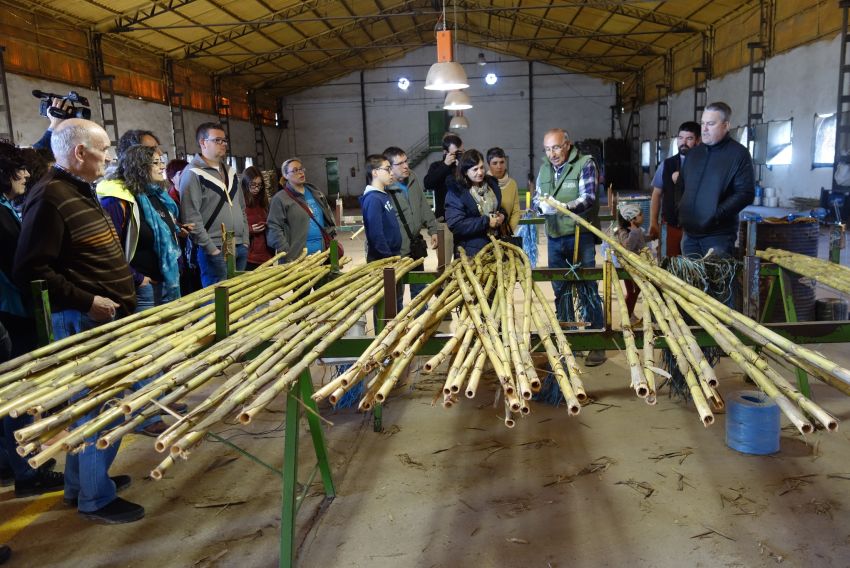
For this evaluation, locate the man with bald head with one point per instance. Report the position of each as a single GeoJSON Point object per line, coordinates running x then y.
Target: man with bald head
{"type": "Point", "coordinates": [570, 177]}
{"type": "Point", "coordinates": [69, 242]}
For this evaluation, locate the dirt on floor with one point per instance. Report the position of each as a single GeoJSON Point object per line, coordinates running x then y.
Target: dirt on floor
{"type": "Point", "coordinates": [622, 483]}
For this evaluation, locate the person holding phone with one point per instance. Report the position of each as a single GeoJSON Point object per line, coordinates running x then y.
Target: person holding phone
{"type": "Point", "coordinates": [257, 211]}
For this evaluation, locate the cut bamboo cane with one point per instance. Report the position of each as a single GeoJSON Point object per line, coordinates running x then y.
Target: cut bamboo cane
{"type": "Point", "coordinates": [638, 380]}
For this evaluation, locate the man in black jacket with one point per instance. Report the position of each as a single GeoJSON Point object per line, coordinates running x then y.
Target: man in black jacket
{"type": "Point", "coordinates": [718, 184]}
{"type": "Point", "coordinates": [435, 179]}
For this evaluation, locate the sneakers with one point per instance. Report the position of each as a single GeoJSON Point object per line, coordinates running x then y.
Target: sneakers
{"type": "Point", "coordinates": [595, 358]}
{"type": "Point", "coordinates": [43, 481]}
{"type": "Point", "coordinates": [121, 482]}
{"type": "Point", "coordinates": [635, 321]}
{"type": "Point", "coordinates": [154, 430]}
{"type": "Point", "coordinates": [117, 512]}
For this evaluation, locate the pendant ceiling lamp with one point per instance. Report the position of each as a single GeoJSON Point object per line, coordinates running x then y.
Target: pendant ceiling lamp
{"type": "Point", "coordinates": [446, 74]}
{"type": "Point", "coordinates": [457, 100]}
{"type": "Point", "coordinates": [459, 121]}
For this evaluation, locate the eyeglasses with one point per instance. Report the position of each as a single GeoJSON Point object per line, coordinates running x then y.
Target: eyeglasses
{"type": "Point", "coordinates": [402, 163]}
{"type": "Point", "coordinates": [387, 169]}
{"type": "Point", "coordinates": [555, 148]}
{"type": "Point", "coordinates": [219, 141]}
{"type": "Point", "coordinates": [298, 171]}
{"type": "Point", "coordinates": [256, 185]}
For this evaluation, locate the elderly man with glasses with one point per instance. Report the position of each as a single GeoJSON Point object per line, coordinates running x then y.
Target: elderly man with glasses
{"type": "Point", "coordinates": [211, 198]}
{"type": "Point", "coordinates": [571, 178]}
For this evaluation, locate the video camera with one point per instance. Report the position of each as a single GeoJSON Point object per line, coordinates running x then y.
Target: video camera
{"type": "Point", "coordinates": [73, 97]}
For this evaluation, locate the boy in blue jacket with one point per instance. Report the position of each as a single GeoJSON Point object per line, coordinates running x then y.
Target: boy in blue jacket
{"type": "Point", "coordinates": [383, 233]}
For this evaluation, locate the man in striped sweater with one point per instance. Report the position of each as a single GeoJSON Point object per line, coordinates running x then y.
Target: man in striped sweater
{"type": "Point", "coordinates": [68, 241]}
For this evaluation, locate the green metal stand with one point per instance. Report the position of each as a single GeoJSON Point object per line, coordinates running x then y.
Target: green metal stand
{"type": "Point", "coordinates": [781, 285]}
{"type": "Point", "coordinates": [41, 312]}
{"type": "Point", "coordinates": [299, 396]}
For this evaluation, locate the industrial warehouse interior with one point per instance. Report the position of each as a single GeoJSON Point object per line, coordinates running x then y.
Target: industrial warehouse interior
{"type": "Point", "coordinates": [592, 361]}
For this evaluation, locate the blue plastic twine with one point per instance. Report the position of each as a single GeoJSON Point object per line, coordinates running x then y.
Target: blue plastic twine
{"type": "Point", "coordinates": [752, 423]}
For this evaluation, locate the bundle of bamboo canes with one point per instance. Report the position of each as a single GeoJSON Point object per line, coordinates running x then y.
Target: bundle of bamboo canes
{"type": "Point", "coordinates": [665, 295]}
{"type": "Point", "coordinates": [480, 292]}
{"type": "Point", "coordinates": [173, 345]}
{"type": "Point", "coordinates": [833, 275]}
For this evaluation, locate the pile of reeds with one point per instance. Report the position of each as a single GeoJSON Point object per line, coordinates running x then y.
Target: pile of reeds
{"type": "Point", "coordinates": [833, 275]}
{"type": "Point", "coordinates": [495, 306]}
{"type": "Point", "coordinates": [668, 297]}
{"type": "Point", "coordinates": [296, 308]}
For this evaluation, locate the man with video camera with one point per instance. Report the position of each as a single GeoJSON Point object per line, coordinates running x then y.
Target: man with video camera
{"type": "Point", "coordinates": [58, 108]}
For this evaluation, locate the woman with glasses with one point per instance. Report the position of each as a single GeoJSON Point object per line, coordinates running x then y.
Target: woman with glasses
{"type": "Point", "coordinates": [299, 215]}
{"type": "Point", "coordinates": [473, 204]}
{"type": "Point", "coordinates": [146, 220]}
{"type": "Point", "coordinates": [145, 217]}
{"type": "Point", "coordinates": [257, 211]}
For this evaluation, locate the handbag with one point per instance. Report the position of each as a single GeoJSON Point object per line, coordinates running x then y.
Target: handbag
{"type": "Point", "coordinates": [418, 246]}
{"type": "Point", "coordinates": [326, 236]}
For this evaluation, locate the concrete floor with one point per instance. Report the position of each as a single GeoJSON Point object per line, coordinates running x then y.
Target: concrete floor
{"type": "Point", "coordinates": [622, 483]}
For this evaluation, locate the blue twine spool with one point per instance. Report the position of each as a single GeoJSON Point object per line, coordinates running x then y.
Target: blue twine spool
{"type": "Point", "coordinates": [752, 423]}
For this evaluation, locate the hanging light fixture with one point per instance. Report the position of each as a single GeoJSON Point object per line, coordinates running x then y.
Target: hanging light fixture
{"type": "Point", "coordinates": [459, 121]}
{"type": "Point", "coordinates": [445, 74]}
{"type": "Point", "coordinates": [457, 100]}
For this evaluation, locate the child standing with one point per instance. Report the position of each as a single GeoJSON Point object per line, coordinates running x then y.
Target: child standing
{"type": "Point", "coordinates": [630, 235]}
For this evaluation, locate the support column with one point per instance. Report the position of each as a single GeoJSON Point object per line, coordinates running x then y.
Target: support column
{"type": "Point", "coordinates": [175, 109]}
{"type": "Point", "coordinates": [6, 130]}
{"type": "Point", "coordinates": [105, 92]}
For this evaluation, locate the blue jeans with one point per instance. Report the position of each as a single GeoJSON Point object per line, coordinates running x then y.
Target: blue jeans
{"type": "Point", "coordinates": [694, 247]}
{"type": "Point", "coordinates": [147, 296]}
{"type": "Point", "coordinates": [8, 454]}
{"type": "Point", "coordinates": [86, 473]}
{"type": "Point", "coordinates": [214, 269]}
{"type": "Point", "coordinates": [416, 289]}
{"type": "Point", "coordinates": [561, 256]}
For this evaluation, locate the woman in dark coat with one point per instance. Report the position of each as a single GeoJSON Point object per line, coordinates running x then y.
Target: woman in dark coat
{"type": "Point", "coordinates": [257, 211]}
{"type": "Point", "coordinates": [473, 204]}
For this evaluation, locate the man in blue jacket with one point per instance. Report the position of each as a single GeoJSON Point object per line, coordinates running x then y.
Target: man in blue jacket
{"type": "Point", "coordinates": [380, 222]}
{"type": "Point", "coordinates": [718, 184]}
{"type": "Point", "coordinates": [383, 233]}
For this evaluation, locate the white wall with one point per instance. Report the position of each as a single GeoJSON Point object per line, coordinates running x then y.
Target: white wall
{"type": "Point", "coordinates": [327, 121]}
{"type": "Point", "coordinates": [798, 84]}
{"type": "Point", "coordinates": [132, 113]}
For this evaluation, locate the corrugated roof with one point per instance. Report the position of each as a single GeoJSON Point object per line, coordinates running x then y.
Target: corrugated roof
{"type": "Point", "coordinates": [286, 45]}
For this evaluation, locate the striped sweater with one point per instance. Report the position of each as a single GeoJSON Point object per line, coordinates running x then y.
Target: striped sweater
{"type": "Point", "coordinates": [68, 241]}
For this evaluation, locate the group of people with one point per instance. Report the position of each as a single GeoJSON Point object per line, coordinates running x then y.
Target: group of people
{"type": "Point", "coordinates": [473, 196]}
{"type": "Point", "coordinates": [697, 194]}
{"type": "Point", "coordinates": [106, 234]}
{"type": "Point", "coordinates": [113, 239]}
